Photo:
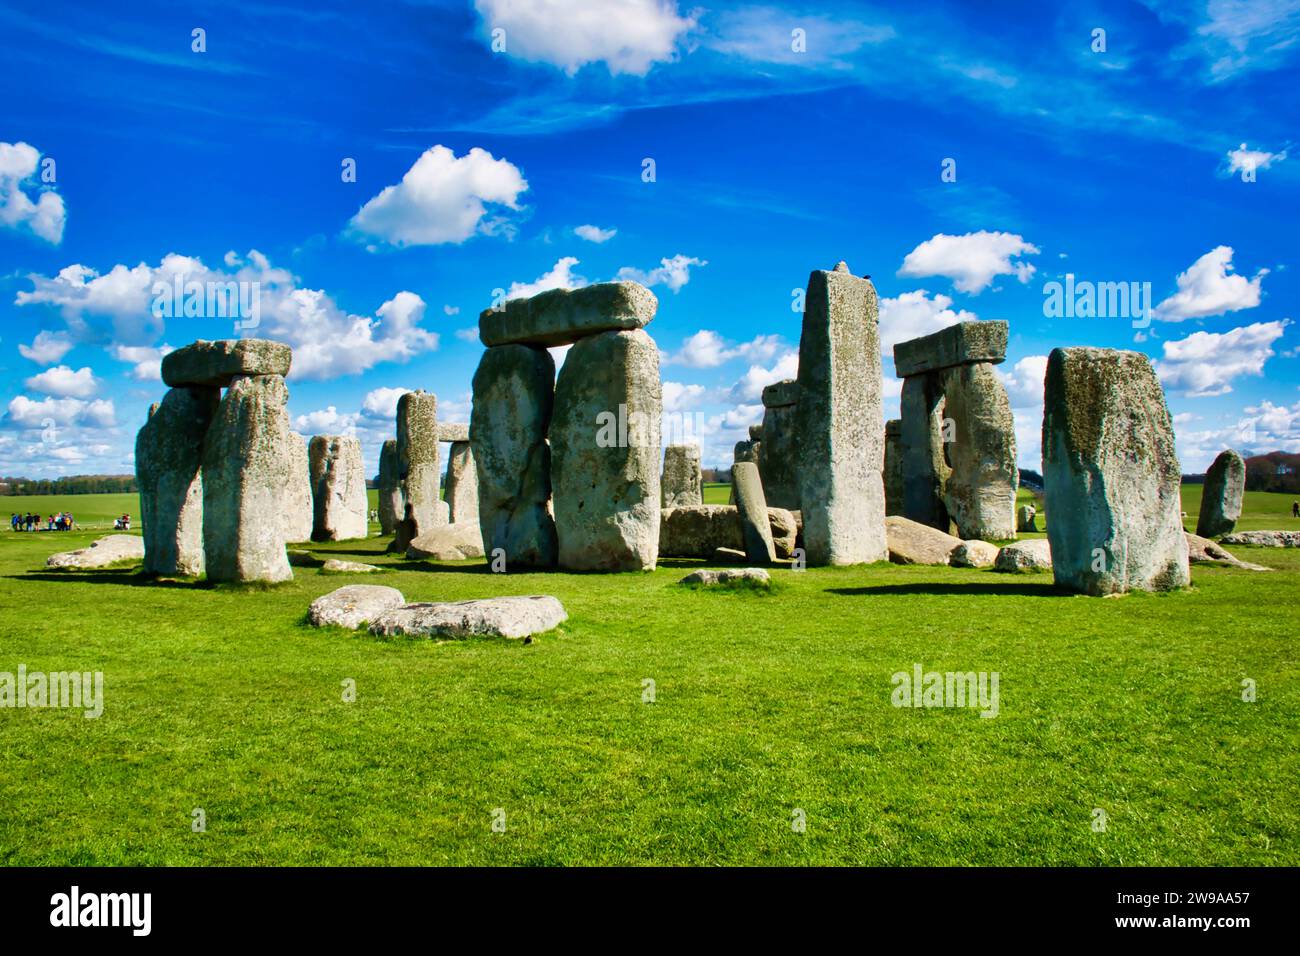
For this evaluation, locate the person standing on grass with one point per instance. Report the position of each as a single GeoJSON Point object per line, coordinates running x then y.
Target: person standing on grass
{"type": "Point", "coordinates": [13, 521]}
{"type": "Point", "coordinates": [1295, 509]}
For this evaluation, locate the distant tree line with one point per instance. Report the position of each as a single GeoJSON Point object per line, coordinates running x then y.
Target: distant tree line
{"type": "Point", "coordinates": [715, 475]}
{"type": "Point", "coordinates": [1276, 471]}
{"type": "Point", "coordinates": [70, 485]}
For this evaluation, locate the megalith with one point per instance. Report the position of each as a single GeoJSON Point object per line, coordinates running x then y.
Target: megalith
{"type": "Point", "coordinates": [778, 453]}
{"type": "Point", "coordinates": [418, 460]}
{"type": "Point", "coordinates": [980, 493]}
{"type": "Point", "coordinates": [893, 469]}
{"type": "Point", "coordinates": [1111, 474]}
{"type": "Point", "coordinates": [392, 504]}
{"type": "Point", "coordinates": [752, 505]}
{"type": "Point", "coordinates": [168, 462]}
{"type": "Point", "coordinates": [562, 316]}
{"type": "Point", "coordinates": [840, 422]}
{"type": "Point", "coordinates": [338, 481]}
{"type": "Point", "coordinates": [299, 509]}
{"type": "Point", "coordinates": [513, 401]}
{"type": "Point", "coordinates": [1221, 496]}
{"type": "Point", "coordinates": [924, 464]}
{"type": "Point", "coordinates": [215, 364]}
{"type": "Point", "coordinates": [682, 483]}
{"type": "Point", "coordinates": [462, 483]}
{"type": "Point", "coordinates": [605, 453]}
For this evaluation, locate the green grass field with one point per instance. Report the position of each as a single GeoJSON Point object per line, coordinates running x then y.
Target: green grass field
{"type": "Point", "coordinates": [224, 699]}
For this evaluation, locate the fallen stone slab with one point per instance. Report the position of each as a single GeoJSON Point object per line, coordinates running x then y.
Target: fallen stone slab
{"type": "Point", "coordinates": [353, 605]}
{"type": "Point", "coordinates": [1204, 551]}
{"type": "Point", "coordinates": [217, 363]}
{"type": "Point", "coordinates": [490, 617]}
{"type": "Point", "coordinates": [695, 531]}
{"type": "Point", "coordinates": [107, 550]}
{"type": "Point", "coordinates": [562, 316]}
{"type": "Point", "coordinates": [1034, 554]}
{"type": "Point", "coordinates": [974, 554]}
{"type": "Point", "coordinates": [335, 566]}
{"type": "Point", "coordinates": [727, 556]}
{"type": "Point", "coordinates": [1264, 539]}
{"type": "Point", "coordinates": [451, 542]}
{"type": "Point", "coordinates": [960, 344]}
{"type": "Point", "coordinates": [738, 577]}
{"type": "Point", "coordinates": [911, 542]}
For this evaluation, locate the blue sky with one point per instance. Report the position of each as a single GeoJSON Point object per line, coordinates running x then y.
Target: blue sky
{"type": "Point", "coordinates": [783, 138]}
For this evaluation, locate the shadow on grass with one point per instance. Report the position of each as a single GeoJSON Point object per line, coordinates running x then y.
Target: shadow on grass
{"type": "Point", "coordinates": [127, 577]}
{"type": "Point", "coordinates": [1024, 588]}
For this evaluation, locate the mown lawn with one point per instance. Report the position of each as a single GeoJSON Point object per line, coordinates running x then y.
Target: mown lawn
{"type": "Point", "coordinates": [223, 699]}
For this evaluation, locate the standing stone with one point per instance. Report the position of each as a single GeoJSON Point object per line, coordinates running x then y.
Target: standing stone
{"type": "Point", "coordinates": [840, 421]}
{"type": "Point", "coordinates": [980, 493]}
{"type": "Point", "coordinates": [925, 466]}
{"type": "Point", "coordinates": [513, 399]}
{"type": "Point", "coordinates": [605, 453]}
{"type": "Point", "coordinates": [299, 509]}
{"type": "Point", "coordinates": [1111, 474]}
{"type": "Point", "coordinates": [338, 481]}
{"type": "Point", "coordinates": [392, 506]}
{"type": "Point", "coordinates": [247, 463]}
{"type": "Point", "coordinates": [753, 512]}
{"type": "Point", "coordinates": [168, 458]}
{"type": "Point", "coordinates": [462, 483]}
{"type": "Point", "coordinates": [417, 459]}
{"type": "Point", "coordinates": [778, 460]}
{"type": "Point", "coordinates": [1025, 516]}
{"type": "Point", "coordinates": [893, 470]}
{"type": "Point", "coordinates": [1225, 485]}
{"type": "Point", "coordinates": [682, 483]}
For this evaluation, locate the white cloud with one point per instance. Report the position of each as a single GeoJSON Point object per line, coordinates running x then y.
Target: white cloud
{"type": "Point", "coordinates": [1024, 381]}
{"type": "Point", "coordinates": [1241, 35]}
{"type": "Point", "coordinates": [146, 360]}
{"type": "Point", "coordinates": [381, 403]}
{"type": "Point", "coordinates": [1205, 363]}
{"type": "Point", "coordinates": [674, 272]}
{"type": "Point", "coordinates": [707, 349]}
{"type": "Point", "coordinates": [763, 34]}
{"type": "Point", "coordinates": [972, 260]}
{"type": "Point", "coordinates": [560, 276]}
{"type": "Point", "coordinates": [468, 334]}
{"type": "Point", "coordinates": [25, 412]}
{"type": "Point", "coordinates": [63, 382]}
{"type": "Point", "coordinates": [1243, 158]}
{"type": "Point", "coordinates": [751, 384]}
{"type": "Point", "coordinates": [1209, 287]}
{"type": "Point", "coordinates": [628, 38]}
{"type": "Point", "coordinates": [595, 233]}
{"type": "Point", "coordinates": [679, 397]}
{"type": "Point", "coordinates": [451, 310]}
{"type": "Point", "coordinates": [47, 348]}
{"type": "Point", "coordinates": [325, 421]}
{"type": "Point", "coordinates": [328, 342]}
{"type": "Point", "coordinates": [441, 199]}
{"type": "Point", "coordinates": [43, 218]}
{"type": "Point", "coordinates": [914, 314]}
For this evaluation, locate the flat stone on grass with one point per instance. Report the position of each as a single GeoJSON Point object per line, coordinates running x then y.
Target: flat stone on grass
{"type": "Point", "coordinates": [335, 566]}
{"type": "Point", "coordinates": [729, 578]}
{"type": "Point", "coordinates": [107, 550]}
{"type": "Point", "coordinates": [353, 605]}
{"type": "Point", "coordinates": [1032, 554]}
{"type": "Point", "coordinates": [513, 617]}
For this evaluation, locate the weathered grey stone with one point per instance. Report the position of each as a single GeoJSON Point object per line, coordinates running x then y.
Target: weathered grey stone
{"type": "Point", "coordinates": [335, 566]}
{"type": "Point", "coordinates": [893, 470]}
{"type": "Point", "coordinates": [925, 466]}
{"type": "Point", "coordinates": [338, 483]}
{"type": "Point", "coordinates": [215, 364]}
{"type": "Point", "coordinates": [562, 316]}
{"type": "Point", "coordinates": [980, 491]}
{"type": "Point", "coordinates": [513, 398]}
{"type": "Point", "coordinates": [756, 432]}
{"type": "Point", "coordinates": [682, 484]}
{"type": "Point", "coordinates": [840, 423]}
{"type": "Point", "coordinates": [727, 556]}
{"type": "Point", "coordinates": [777, 456]}
{"type": "Point", "coordinates": [960, 344]}
{"type": "Point", "coordinates": [353, 605]}
{"type": "Point", "coordinates": [453, 431]}
{"type": "Point", "coordinates": [462, 484]}
{"type": "Point", "coordinates": [752, 506]}
{"type": "Point", "coordinates": [911, 542]}
{"type": "Point", "coordinates": [1111, 473]}
{"type": "Point", "coordinates": [450, 542]}
{"type": "Point", "coordinates": [782, 394]}
{"type": "Point", "coordinates": [1204, 551]}
{"type": "Point", "coordinates": [299, 508]}
{"type": "Point", "coordinates": [605, 453]}
{"type": "Point", "coordinates": [696, 531]}
{"type": "Point", "coordinates": [248, 461]}
{"type": "Point", "coordinates": [1032, 554]}
{"type": "Point", "coordinates": [737, 577]}
{"type": "Point", "coordinates": [491, 617]}
{"type": "Point", "coordinates": [392, 503]}
{"type": "Point", "coordinates": [784, 527]}
{"type": "Point", "coordinates": [105, 551]}
{"type": "Point", "coordinates": [168, 458]}
{"type": "Point", "coordinates": [1025, 516]}
{"type": "Point", "coordinates": [418, 462]}
{"type": "Point", "coordinates": [974, 554]}
{"type": "Point", "coordinates": [1264, 539]}
{"type": "Point", "coordinates": [1221, 496]}
{"type": "Point", "coordinates": [744, 450]}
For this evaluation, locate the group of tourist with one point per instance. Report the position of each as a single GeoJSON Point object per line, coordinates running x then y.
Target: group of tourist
{"type": "Point", "coordinates": [30, 522]}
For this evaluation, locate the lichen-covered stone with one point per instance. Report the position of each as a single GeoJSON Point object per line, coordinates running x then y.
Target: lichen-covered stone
{"type": "Point", "coordinates": [513, 617]}
{"type": "Point", "coordinates": [449, 542]}
{"type": "Point", "coordinates": [1025, 516]}
{"type": "Point", "coordinates": [1264, 539]}
{"type": "Point", "coordinates": [911, 542]}
{"type": "Point", "coordinates": [168, 459]}
{"type": "Point", "coordinates": [729, 578]}
{"type": "Point", "coordinates": [925, 466]}
{"type": "Point", "coordinates": [392, 504]}
{"type": "Point", "coordinates": [605, 453]}
{"type": "Point", "coordinates": [960, 344]}
{"type": "Point", "coordinates": [696, 531]}
{"type": "Point", "coordinates": [682, 483]}
{"type": "Point", "coordinates": [1032, 554]}
{"type": "Point", "coordinates": [974, 554]}
{"type": "Point", "coordinates": [462, 484]}
{"type": "Point", "coordinates": [335, 566]}
{"type": "Point", "coordinates": [105, 551]}
{"type": "Point", "coordinates": [418, 462]}
{"type": "Point", "coordinates": [1111, 474]}
{"type": "Point", "coordinates": [777, 456]}
{"type": "Point", "coordinates": [453, 431]}
{"type": "Point", "coordinates": [752, 505]}
{"type": "Point", "coordinates": [215, 364]}
{"type": "Point", "coordinates": [980, 490]}
{"type": "Point", "coordinates": [338, 482]}
{"type": "Point", "coordinates": [893, 470]}
{"type": "Point", "coordinates": [782, 394]}
{"type": "Point", "coordinates": [299, 507]}
{"type": "Point", "coordinates": [1221, 496]}
{"type": "Point", "coordinates": [562, 316]}
{"type": "Point", "coordinates": [1204, 551]}
{"type": "Point", "coordinates": [353, 605]}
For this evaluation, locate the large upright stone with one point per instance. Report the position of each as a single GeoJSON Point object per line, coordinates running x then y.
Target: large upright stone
{"type": "Point", "coordinates": [168, 459]}
{"type": "Point", "coordinates": [392, 504]}
{"type": "Point", "coordinates": [1111, 474]}
{"type": "Point", "coordinates": [513, 399]}
{"type": "Point", "coordinates": [962, 344]}
{"type": "Point", "coordinates": [682, 484]}
{"type": "Point", "coordinates": [752, 506]}
{"type": "Point", "coordinates": [338, 481]}
{"type": "Point", "coordinates": [605, 453]}
{"type": "Point", "coordinates": [417, 461]}
{"type": "Point", "coordinates": [215, 364]}
{"type": "Point", "coordinates": [462, 483]}
{"type": "Point", "coordinates": [893, 470]}
{"type": "Point", "coordinates": [925, 464]}
{"type": "Point", "coordinates": [299, 508]}
{"type": "Point", "coordinates": [980, 492]}
{"type": "Point", "coordinates": [1225, 485]}
{"type": "Point", "coordinates": [778, 454]}
{"type": "Point", "coordinates": [247, 463]}
{"type": "Point", "coordinates": [562, 316]}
